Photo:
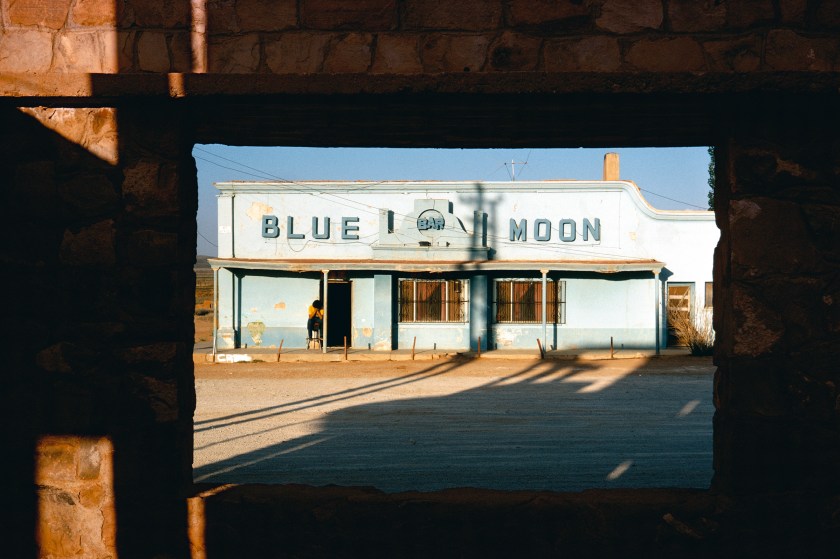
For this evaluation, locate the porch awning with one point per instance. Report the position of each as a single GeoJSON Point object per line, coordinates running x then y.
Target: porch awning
{"type": "Point", "coordinates": [597, 266]}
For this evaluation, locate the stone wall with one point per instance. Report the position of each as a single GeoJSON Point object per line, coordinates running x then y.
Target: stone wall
{"type": "Point", "coordinates": [103, 99]}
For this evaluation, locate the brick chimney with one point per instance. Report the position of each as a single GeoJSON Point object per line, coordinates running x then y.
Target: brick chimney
{"type": "Point", "coordinates": [611, 167]}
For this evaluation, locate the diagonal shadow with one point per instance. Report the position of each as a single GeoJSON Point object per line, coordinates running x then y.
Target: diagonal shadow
{"type": "Point", "coordinates": [544, 429]}
{"type": "Point", "coordinates": [371, 388]}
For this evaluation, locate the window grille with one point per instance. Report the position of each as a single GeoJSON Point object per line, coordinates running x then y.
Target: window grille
{"type": "Point", "coordinates": [433, 300]}
{"type": "Point", "coordinates": [520, 301]}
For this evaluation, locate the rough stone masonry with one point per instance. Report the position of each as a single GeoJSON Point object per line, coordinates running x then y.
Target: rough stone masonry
{"type": "Point", "coordinates": [102, 101]}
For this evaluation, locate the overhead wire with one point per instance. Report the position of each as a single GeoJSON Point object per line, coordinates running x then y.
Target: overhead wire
{"type": "Point", "coordinates": [499, 239]}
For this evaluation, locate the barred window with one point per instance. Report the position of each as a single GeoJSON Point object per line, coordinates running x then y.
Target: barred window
{"type": "Point", "coordinates": [521, 301]}
{"type": "Point", "coordinates": [433, 300]}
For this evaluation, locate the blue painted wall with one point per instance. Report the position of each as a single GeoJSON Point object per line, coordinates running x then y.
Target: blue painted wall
{"type": "Point", "coordinates": [260, 310]}
{"type": "Point", "coordinates": [597, 308]}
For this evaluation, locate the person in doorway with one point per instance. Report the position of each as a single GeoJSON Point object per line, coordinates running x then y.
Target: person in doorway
{"type": "Point", "coordinates": [316, 317]}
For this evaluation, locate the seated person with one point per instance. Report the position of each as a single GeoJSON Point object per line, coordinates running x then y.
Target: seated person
{"type": "Point", "coordinates": [316, 316]}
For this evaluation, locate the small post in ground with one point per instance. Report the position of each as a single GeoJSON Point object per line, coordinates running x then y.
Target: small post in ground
{"type": "Point", "coordinates": [539, 345]}
{"type": "Point", "coordinates": [279, 349]}
{"type": "Point", "coordinates": [345, 348]}
{"type": "Point", "coordinates": [412, 347]}
{"type": "Point", "coordinates": [479, 346]}
{"type": "Point", "coordinates": [612, 348]}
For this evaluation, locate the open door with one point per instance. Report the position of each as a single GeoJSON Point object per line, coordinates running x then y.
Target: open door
{"type": "Point", "coordinates": [338, 313]}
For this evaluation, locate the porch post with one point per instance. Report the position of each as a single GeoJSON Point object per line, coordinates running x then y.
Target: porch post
{"type": "Point", "coordinates": [326, 312]}
{"type": "Point", "coordinates": [544, 307]}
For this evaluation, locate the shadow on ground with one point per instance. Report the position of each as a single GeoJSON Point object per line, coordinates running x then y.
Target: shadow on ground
{"type": "Point", "coordinates": [557, 426]}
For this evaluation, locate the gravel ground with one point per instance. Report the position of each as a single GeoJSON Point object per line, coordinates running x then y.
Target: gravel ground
{"type": "Point", "coordinates": [501, 424]}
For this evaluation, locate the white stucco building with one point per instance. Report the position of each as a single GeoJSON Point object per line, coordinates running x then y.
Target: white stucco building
{"type": "Point", "coordinates": [446, 264]}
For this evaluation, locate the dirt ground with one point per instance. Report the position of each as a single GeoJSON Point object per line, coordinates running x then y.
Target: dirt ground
{"type": "Point", "coordinates": [204, 327]}
{"type": "Point", "coordinates": [501, 424]}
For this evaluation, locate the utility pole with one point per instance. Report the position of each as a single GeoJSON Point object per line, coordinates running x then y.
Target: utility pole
{"type": "Point", "coordinates": [513, 165]}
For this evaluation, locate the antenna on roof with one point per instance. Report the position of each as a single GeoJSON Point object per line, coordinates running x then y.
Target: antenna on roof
{"type": "Point", "coordinates": [513, 165]}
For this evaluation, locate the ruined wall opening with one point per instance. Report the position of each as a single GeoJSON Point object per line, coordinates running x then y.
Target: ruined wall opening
{"type": "Point", "coordinates": [340, 428]}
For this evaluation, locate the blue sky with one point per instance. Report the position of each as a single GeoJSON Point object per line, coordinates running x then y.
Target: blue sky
{"type": "Point", "coordinates": [670, 178]}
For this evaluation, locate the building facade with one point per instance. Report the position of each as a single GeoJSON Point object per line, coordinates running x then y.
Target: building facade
{"type": "Point", "coordinates": [456, 265]}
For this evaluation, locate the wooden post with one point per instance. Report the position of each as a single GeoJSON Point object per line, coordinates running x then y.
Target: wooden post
{"type": "Point", "coordinates": [279, 349]}
{"type": "Point", "coordinates": [345, 348]}
{"type": "Point", "coordinates": [539, 345]}
{"type": "Point", "coordinates": [412, 347]}
{"type": "Point", "coordinates": [479, 346]}
{"type": "Point", "coordinates": [612, 348]}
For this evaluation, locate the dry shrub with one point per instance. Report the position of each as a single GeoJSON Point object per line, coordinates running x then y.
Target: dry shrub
{"type": "Point", "coordinates": [695, 333]}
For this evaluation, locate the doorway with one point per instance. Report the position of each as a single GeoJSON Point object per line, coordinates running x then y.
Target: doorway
{"type": "Point", "coordinates": [338, 313]}
{"type": "Point", "coordinates": [680, 310]}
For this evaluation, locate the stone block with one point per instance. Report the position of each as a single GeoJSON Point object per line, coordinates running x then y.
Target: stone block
{"type": "Point", "coordinates": [827, 14]}
{"type": "Point", "coordinates": [181, 52]}
{"type": "Point", "coordinates": [758, 328]}
{"type": "Point", "coordinates": [93, 245]}
{"type": "Point", "coordinates": [94, 129]}
{"type": "Point", "coordinates": [749, 13]}
{"type": "Point", "coordinates": [126, 41]}
{"type": "Point", "coordinates": [160, 396]}
{"type": "Point", "coordinates": [233, 55]}
{"type": "Point", "coordinates": [619, 16]}
{"type": "Point", "coordinates": [793, 11]}
{"type": "Point", "coordinates": [59, 526]}
{"type": "Point", "coordinates": [742, 54]}
{"type": "Point", "coordinates": [89, 460]}
{"type": "Point", "coordinates": [297, 53]}
{"type": "Point", "coordinates": [168, 15]}
{"type": "Point", "coordinates": [221, 17]}
{"type": "Point", "coordinates": [59, 358]}
{"type": "Point", "coordinates": [466, 15]}
{"type": "Point", "coordinates": [696, 15]}
{"type": "Point", "coordinates": [34, 188]}
{"type": "Point", "coordinates": [152, 52]}
{"type": "Point", "coordinates": [150, 189]}
{"type": "Point", "coordinates": [454, 53]}
{"type": "Point", "coordinates": [682, 54]}
{"type": "Point", "coordinates": [549, 14]}
{"type": "Point", "coordinates": [350, 53]}
{"type": "Point", "coordinates": [259, 15]}
{"type": "Point", "coordinates": [92, 496]}
{"type": "Point", "coordinates": [360, 15]}
{"type": "Point", "coordinates": [26, 51]}
{"type": "Point", "coordinates": [515, 52]}
{"type": "Point", "coordinates": [162, 352]}
{"type": "Point", "coordinates": [51, 14]}
{"type": "Point", "coordinates": [55, 462]}
{"type": "Point", "coordinates": [84, 52]}
{"type": "Point", "coordinates": [397, 54]}
{"type": "Point", "coordinates": [769, 237]}
{"type": "Point", "coordinates": [588, 54]}
{"type": "Point", "coordinates": [151, 248]}
{"type": "Point", "coordinates": [786, 50]}
{"type": "Point", "coordinates": [94, 13]}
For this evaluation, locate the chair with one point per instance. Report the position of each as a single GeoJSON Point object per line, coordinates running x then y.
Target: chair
{"type": "Point", "coordinates": [314, 342]}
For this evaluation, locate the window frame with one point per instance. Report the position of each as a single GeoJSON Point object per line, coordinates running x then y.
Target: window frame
{"type": "Point", "coordinates": [454, 286]}
{"type": "Point", "coordinates": [554, 288]}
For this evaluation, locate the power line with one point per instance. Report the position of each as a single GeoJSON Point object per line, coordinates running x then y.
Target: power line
{"type": "Point", "coordinates": [500, 239]}
{"type": "Point", "coordinates": [206, 239]}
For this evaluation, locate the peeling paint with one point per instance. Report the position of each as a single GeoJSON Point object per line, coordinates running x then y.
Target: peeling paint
{"type": "Point", "coordinates": [257, 210]}
{"type": "Point", "coordinates": [367, 332]}
{"type": "Point", "coordinates": [281, 306]}
{"type": "Point", "coordinates": [256, 330]}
